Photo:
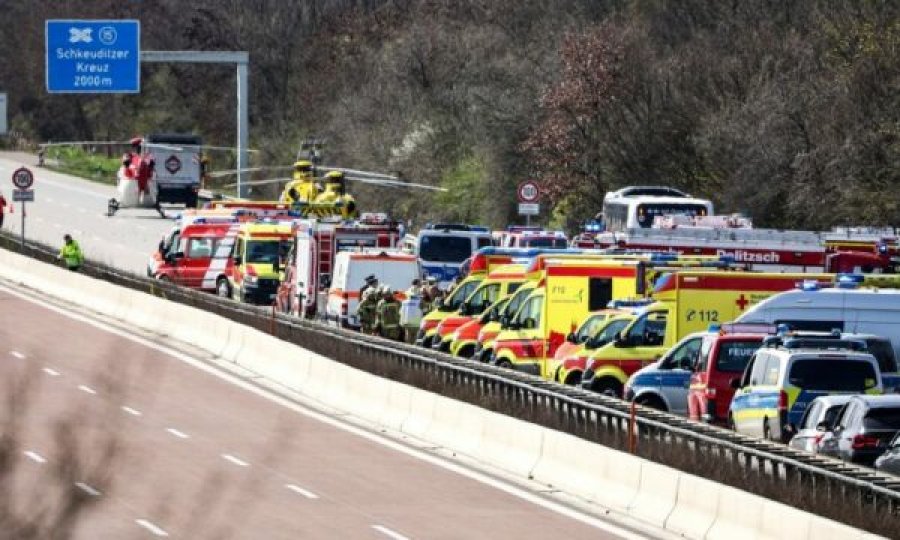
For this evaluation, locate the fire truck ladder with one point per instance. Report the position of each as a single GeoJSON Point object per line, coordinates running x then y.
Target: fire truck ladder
{"type": "Point", "coordinates": [326, 251]}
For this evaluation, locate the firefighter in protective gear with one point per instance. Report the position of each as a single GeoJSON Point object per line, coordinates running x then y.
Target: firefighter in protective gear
{"type": "Point", "coordinates": [370, 282]}
{"type": "Point", "coordinates": [430, 294]}
{"type": "Point", "coordinates": [303, 188]}
{"type": "Point", "coordinates": [366, 311]}
{"type": "Point", "coordinates": [409, 319]}
{"type": "Point", "coordinates": [388, 316]}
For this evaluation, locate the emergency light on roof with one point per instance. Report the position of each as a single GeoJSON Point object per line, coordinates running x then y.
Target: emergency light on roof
{"type": "Point", "coordinates": [743, 328]}
{"type": "Point", "coordinates": [593, 226]}
{"type": "Point", "coordinates": [822, 343]}
{"type": "Point", "coordinates": [809, 285]}
{"type": "Point", "coordinates": [629, 302]}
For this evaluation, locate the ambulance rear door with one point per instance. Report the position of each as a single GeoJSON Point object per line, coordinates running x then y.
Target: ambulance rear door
{"type": "Point", "coordinates": [306, 280]}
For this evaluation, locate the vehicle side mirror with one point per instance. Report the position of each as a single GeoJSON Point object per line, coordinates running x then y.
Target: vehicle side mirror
{"type": "Point", "coordinates": [504, 321]}
{"type": "Point", "coordinates": [735, 383]}
{"type": "Point", "coordinates": [162, 246]}
{"type": "Point", "coordinates": [686, 363]}
{"type": "Point", "coordinates": [623, 340]}
{"type": "Point", "coordinates": [324, 281]}
{"type": "Point", "coordinates": [571, 338]}
{"type": "Point", "coordinates": [529, 324]}
{"type": "Point", "coordinates": [464, 309]}
{"type": "Point", "coordinates": [237, 260]}
{"type": "Point", "coordinates": [823, 427]}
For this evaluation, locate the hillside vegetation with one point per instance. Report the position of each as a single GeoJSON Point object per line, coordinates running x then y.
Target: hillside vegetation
{"type": "Point", "coordinates": [785, 110]}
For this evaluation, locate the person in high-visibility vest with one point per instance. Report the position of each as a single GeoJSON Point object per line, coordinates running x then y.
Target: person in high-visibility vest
{"type": "Point", "coordinates": [71, 254]}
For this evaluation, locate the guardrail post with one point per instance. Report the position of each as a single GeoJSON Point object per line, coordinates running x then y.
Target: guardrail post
{"type": "Point", "coordinates": [632, 428]}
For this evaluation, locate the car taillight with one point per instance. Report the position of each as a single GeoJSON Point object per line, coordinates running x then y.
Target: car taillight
{"type": "Point", "coordinates": [783, 400]}
{"type": "Point", "coordinates": [864, 441]}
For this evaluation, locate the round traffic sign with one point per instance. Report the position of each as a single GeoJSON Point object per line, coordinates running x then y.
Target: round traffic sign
{"type": "Point", "coordinates": [528, 191]}
{"type": "Point", "coordinates": [22, 178]}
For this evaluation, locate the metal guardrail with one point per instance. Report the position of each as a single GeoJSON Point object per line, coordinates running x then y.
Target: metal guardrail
{"type": "Point", "coordinates": [847, 493]}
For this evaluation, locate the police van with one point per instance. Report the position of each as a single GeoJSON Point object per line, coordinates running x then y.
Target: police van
{"type": "Point", "coordinates": [845, 308]}
{"type": "Point", "coordinates": [785, 375]}
{"type": "Point", "coordinates": [443, 248]}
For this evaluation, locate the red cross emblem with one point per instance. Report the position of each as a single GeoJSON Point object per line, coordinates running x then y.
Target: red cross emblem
{"type": "Point", "coordinates": [742, 302]}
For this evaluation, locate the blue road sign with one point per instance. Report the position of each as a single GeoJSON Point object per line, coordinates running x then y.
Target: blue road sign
{"type": "Point", "coordinates": [93, 56]}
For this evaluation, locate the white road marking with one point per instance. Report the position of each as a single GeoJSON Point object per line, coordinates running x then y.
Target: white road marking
{"type": "Point", "coordinates": [87, 489]}
{"type": "Point", "coordinates": [129, 410]}
{"type": "Point", "coordinates": [52, 372]}
{"type": "Point", "coordinates": [151, 527]}
{"type": "Point", "coordinates": [389, 533]}
{"type": "Point", "coordinates": [297, 489]}
{"type": "Point", "coordinates": [179, 434]}
{"type": "Point", "coordinates": [34, 456]}
{"type": "Point", "coordinates": [87, 389]}
{"type": "Point", "coordinates": [17, 354]}
{"type": "Point", "coordinates": [422, 455]}
{"type": "Point", "coordinates": [236, 461]}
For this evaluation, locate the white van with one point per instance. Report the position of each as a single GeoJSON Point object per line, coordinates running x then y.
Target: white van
{"type": "Point", "coordinates": [861, 311]}
{"type": "Point", "coordinates": [393, 268]}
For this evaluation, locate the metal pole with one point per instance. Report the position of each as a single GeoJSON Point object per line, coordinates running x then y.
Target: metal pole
{"type": "Point", "coordinates": [528, 220]}
{"type": "Point", "coordinates": [243, 137]}
{"type": "Point", "coordinates": [23, 225]}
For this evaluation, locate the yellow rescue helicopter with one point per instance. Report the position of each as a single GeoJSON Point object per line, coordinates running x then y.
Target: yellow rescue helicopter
{"type": "Point", "coordinates": [324, 197]}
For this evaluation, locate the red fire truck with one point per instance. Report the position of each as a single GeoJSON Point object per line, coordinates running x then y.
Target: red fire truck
{"type": "Point", "coordinates": [310, 261]}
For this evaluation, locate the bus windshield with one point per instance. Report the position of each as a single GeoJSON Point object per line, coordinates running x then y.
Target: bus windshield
{"type": "Point", "coordinates": [452, 249]}
{"type": "Point", "coordinates": [648, 211]}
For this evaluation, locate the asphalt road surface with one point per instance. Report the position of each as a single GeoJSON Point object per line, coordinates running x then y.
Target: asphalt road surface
{"type": "Point", "coordinates": [68, 204]}
{"type": "Point", "coordinates": [160, 446]}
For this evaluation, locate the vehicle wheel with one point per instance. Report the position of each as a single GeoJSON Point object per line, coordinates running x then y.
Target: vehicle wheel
{"type": "Point", "coordinates": [223, 288]}
{"type": "Point", "coordinates": [730, 423]}
{"type": "Point", "coordinates": [609, 387]}
{"type": "Point", "coordinates": [426, 342]}
{"type": "Point", "coordinates": [767, 431]}
{"type": "Point", "coordinates": [654, 402]}
{"type": "Point", "coordinates": [504, 363]}
{"type": "Point", "coordinates": [466, 351]}
{"type": "Point", "coordinates": [573, 378]}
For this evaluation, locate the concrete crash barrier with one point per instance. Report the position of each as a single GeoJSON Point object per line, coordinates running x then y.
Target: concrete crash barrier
{"type": "Point", "coordinates": [657, 493]}
{"type": "Point", "coordinates": [696, 504]}
{"type": "Point", "coordinates": [686, 505]}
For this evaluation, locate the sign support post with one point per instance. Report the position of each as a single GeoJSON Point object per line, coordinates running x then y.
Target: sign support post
{"type": "Point", "coordinates": [22, 180]}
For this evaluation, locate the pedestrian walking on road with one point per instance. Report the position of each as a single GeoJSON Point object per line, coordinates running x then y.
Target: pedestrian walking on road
{"type": "Point", "coordinates": [2, 209]}
{"type": "Point", "coordinates": [71, 254]}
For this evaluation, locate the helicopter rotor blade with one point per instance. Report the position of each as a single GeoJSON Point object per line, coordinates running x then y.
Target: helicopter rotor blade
{"type": "Point", "coordinates": [233, 172]}
{"type": "Point", "coordinates": [264, 182]}
{"type": "Point", "coordinates": [394, 183]}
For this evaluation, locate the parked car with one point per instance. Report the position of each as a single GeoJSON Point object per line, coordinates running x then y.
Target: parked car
{"type": "Point", "coordinates": [866, 426]}
{"type": "Point", "coordinates": [818, 421]}
{"type": "Point", "coordinates": [889, 461]}
{"type": "Point", "coordinates": [664, 384]}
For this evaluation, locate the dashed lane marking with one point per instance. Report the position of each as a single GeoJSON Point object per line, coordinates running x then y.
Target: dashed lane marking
{"type": "Point", "coordinates": [179, 434]}
{"type": "Point", "coordinates": [297, 489]}
{"type": "Point", "coordinates": [132, 412]}
{"type": "Point", "coordinates": [34, 456]}
{"type": "Point", "coordinates": [87, 389]}
{"type": "Point", "coordinates": [52, 372]}
{"type": "Point", "coordinates": [389, 533]}
{"type": "Point", "coordinates": [151, 527]}
{"type": "Point", "coordinates": [236, 461]}
{"type": "Point", "coordinates": [93, 492]}
{"type": "Point", "coordinates": [17, 354]}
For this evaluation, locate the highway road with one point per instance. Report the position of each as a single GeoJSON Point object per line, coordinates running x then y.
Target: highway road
{"type": "Point", "coordinates": [160, 444]}
{"type": "Point", "coordinates": [68, 204]}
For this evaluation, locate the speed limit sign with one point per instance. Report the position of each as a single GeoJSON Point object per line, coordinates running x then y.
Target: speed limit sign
{"type": "Point", "coordinates": [528, 192]}
{"type": "Point", "coordinates": [22, 178]}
